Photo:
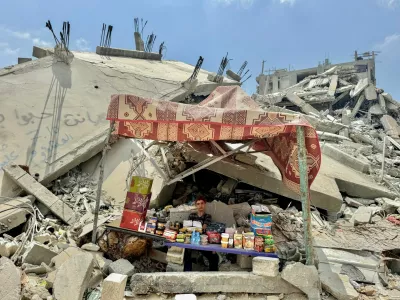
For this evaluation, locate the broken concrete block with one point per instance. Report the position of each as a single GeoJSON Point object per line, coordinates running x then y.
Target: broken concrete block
{"type": "Point", "coordinates": [232, 75]}
{"type": "Point", "coordinates": [388, 205]}
{"type": "Point", "coordinates": [58, 260]}
{"type": "Point", "coordinates": [338, 285]}
{"type": "Point", "coordinates": [364, 214]}
{"type": "Point", "coordinates": [353, 203]}
{"type": "Point", "coordinates": [392, 129]}
{"type": "Point", "coordinates": [12, 217]}
{"type": "Point", "coordinates": [73, 277]}
{"type": "Point", "coordinates": [305, 107]}
{"type": "Point", "coordinates": [305, 278]}
{"type": "Point", "coordinates": [34, 286]}
{"type": "Point", "coordinates": [244, 261]}
{"type": "Point", "coordinates": [121, 266]}
{"type": "Point", "coordinates": [221, 212]}
{"type": "Point", "coordinates": [42, 194]}
{"type": "Point", "coordinates": [171, 267]}
{"type": "Point", "coordinates": [175, 255]}
{"type": "Point", "coordinates": [37, 253]}
{"type": "Point", "coordinates": [345, 158]}
{"type": "Point", "coordinates": [7, 248]}
{"type": "Point", "coordinates": [370, 92]}
{"type": "Point", "coordinates": [209, 282]}
{"type": "Point", "coordinates": [228, 187]}
{"type": "Point", "coordinates": [266, 266]}
{"type": "Point", "coordinates": [114, 287]}
{"type": "Point", "coordinates": [245, 158]}
{"type": "Point", "coordinates": [95, 279]}
{"type": "Point", "coordinates": [90, 247]}
{"type": "Point", "coordinates": [10, 278]}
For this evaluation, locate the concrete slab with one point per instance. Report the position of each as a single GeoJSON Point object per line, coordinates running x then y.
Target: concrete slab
{"type": "Point", "coordinates": [265, 175]}
{"type": "Point", "coordinates": [343, 157]}
{"type": "Point", "coordinates": [10, 278]}
{"type": "Point", "coordinates": [11, 216]}
{"type": "Point", "coordinates": [117, 173]}
{"type": "Point", "coordinates": [209, 282]}
{"type": "Point", "coordinates": [42, 194]}
{"type": "Point", "coordinates": [53, 115]}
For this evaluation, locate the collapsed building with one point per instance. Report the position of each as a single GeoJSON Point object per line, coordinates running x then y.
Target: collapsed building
{"type": "Point", "coordinates": [53, 126]}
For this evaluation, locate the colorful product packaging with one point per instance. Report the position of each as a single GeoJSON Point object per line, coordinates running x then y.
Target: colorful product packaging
{"type": "Point", "coordinates": [131, 219]}
{"type": "Point", "coordinates": [170, 235]}
{"type": "Point", "coordinates": [141, 185]}
{"type": "Point", "coordinates": [259, 244]}
{"type": "Point", "coordinates": [238, 240]}
{"type": "Point", "coordinates": [137, 202]}
{"type": "Point", "coordinates": [151, 228]}
{"type": "Point", "coordinates": [248, 241]}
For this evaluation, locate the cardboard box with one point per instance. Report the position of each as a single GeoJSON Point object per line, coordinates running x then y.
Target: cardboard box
{"type": "Point", "coordinates": [131, 219]}
{"type": "Point", "coordinates": [141, 185]}
{"type": "Point", "coordinates": [137, 202]}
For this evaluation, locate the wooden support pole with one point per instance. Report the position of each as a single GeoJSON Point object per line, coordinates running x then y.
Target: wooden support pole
{"type": "Point", "coordinates": [305, 194]}
{"type": "Point", "coordinates": [100, 183]}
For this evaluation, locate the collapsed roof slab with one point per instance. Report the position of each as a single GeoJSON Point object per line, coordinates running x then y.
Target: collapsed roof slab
{"type": "Point", "coordinates": [352, 182]}
{"type": "Point", "coordinates": [265, 175]}
{"type": "Point", "coordinates": [53, 115]}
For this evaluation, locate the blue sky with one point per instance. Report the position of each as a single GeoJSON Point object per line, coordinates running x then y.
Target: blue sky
{"type": "Point", "coordinates": [299, 33]}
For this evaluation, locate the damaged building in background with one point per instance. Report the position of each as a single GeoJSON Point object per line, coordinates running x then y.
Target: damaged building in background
{"type": "Point", "coordinates": [53, 127]}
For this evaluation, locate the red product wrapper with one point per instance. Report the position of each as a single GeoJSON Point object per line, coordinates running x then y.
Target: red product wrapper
{"type": "Point", "coordinates": [214, 237]}
{"type": "Point", "coordinates": [137, 202]}
{"type": "Point", "coordinates": [131, 219]}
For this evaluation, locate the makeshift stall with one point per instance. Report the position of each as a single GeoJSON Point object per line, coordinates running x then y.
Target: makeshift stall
{"type": "Point", "coordinates": [228, 113]}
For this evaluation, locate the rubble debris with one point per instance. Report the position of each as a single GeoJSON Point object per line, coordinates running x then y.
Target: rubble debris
{"type": "Point", "coordinates": [266, 266]}
{"type": "Point", "coordinates": [305, 278]}
{"type": "Point", "coordinates": [207, 282]}
{"type": "Point", "coordinates": [114, 287]}
{"type": "Point", "coordinates": [34, 285]}
{"type": "Point", "coordinates": [90, 247]}
{"type": "Point", "coordinates": [13, 212]}
{"type": "Point", "coordinates": [338, 285]}
{"type": "Point", "coordinates": [30, 185]}
{"type": "Point", "coordinates": [391, 127]}
{"type": "Point", "coordinates": [122, 266]}
{"type": "Point", "coordinates": [10, 278]}
{"type": "Point", "coordinates": [73, 277]}
{"type": "Point", "coordinates": [7, 248]}
{"type": "Point", "coordinates": [345, 158]}
{"type": "Point", "coordinates": [37, 253]}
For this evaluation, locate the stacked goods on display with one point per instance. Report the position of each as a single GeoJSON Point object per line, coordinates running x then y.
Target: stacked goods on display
{"type": "Point", "coordinates": [137, 202]}
{"type": "Point", "coordinates": [261, 226]}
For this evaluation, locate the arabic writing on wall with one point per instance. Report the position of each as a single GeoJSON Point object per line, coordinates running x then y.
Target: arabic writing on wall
{"type": "Point", "coordinates": [46, 152]}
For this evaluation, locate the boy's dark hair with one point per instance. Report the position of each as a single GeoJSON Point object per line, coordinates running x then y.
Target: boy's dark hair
{"type": "Point", "coordinates": [200, 198]}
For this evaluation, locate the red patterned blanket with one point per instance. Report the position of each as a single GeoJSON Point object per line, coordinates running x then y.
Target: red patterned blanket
{"type": "Point", "coordinates": [228, 113]}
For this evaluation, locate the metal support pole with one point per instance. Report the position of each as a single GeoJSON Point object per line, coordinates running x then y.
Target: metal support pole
{"type": "Point", "coordinates": [100, 183]}
{"type": "Point", "coordinates": [383, 158]}
{"type": "Point", "coordinates": [305, 194]}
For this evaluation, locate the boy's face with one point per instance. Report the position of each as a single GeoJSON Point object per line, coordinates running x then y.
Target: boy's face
{"type": "Point", "coordinates": [200, 205]}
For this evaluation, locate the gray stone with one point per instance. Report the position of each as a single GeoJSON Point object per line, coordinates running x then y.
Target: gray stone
{"type": "Point", "coordinates": [244, 261]}
{"type": "Point", "coordinates": [73, 277]}
{"type": "Point", "coordinates": [352, 202]}
{"type": "Point", "coordinates": [121, 266]}
{"type": "Point", "coordinates": [42, 194]}
{"type": "Point", "coordinates": [10, 280]}
{"type": "Point", "coordinates": [305, 278]}
{"type": "Point", "coordinates": [58, 260]}
{"type": "Point", "coordinates": [7, 248]}
{"type": "Point", "coordinates": [12, 217]}
{"type": "Point", "coordinates": [363, 215]}
{"type": "Point", "coordinates": [338, 285]}
{"type": "Point", "coordinates": [266, 266]}
{"type": "Point", "coordinates": [36, 253]}
{"type": "Point", "coordinates": [91, 247]}
{"type": "Point", "coordinates": [171, 267]}
{"type": "Point", "coordinates": [209, 282]}
{"type": "Point", "coordinates": [388, 205]}
{"type": "Point", "coordinates": [345, 158]}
